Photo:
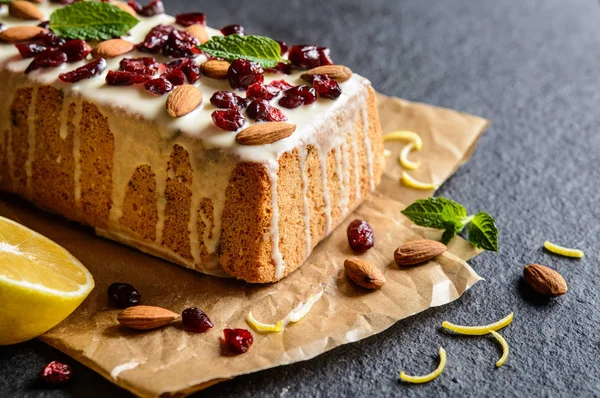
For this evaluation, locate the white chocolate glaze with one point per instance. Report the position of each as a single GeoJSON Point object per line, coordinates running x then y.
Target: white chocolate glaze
{"type": "Point", "coordinates": [322, 125]}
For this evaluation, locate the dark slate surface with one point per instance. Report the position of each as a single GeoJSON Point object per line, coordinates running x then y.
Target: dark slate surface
{"type": "Point", "coordinates": [532, 66]}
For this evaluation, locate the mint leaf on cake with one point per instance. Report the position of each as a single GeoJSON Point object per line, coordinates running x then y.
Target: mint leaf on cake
{"type": "Point", "coordinates": [89, 20]}
{"type": "Point", "coordinates": [259, 49]}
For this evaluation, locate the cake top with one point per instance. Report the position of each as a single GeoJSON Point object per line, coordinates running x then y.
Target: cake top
{"type": "Point", "coordinates": [229, 90]}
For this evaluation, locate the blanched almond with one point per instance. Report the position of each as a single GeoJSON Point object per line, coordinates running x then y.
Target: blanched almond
{"type": "Point", "coordinates": [25, 10]}
{"type": "Point", "coordinates": [20, 33]}
{"type": "Point", "coordinates": [113, 48]}
{"type": "Point", "coordinates": [199, 32]}
{"type": "Point", "coordinates": [265, 133]}
{"type": "Point", "coordinates": [339, 73]}
{"type": "Point", "coordinates": [215, 69]}
{"type": "Point", "coordinates": [183, 100]}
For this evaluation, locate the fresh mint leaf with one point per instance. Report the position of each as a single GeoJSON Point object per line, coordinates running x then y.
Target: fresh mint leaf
{"type": "Point", "coordinates": [259, 49]}
{"type": "Point", "coordinates": [91, 20]}
{"type": "Point", "coordinates": [5, 1]}
{"type": "Point", "coordinates": [439, 213]}
{"type": "Point", "coordinates": [483, 232]}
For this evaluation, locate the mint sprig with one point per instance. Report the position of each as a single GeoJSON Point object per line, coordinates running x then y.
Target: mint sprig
{"type": "Point", "coordinates": [259, 49]}
{"type": "Point", "coordinates": [90, 20]}
{"type": "Point", "coordinates": [5, 1]}
{"type": "Point", "coordinates": [452, 217]}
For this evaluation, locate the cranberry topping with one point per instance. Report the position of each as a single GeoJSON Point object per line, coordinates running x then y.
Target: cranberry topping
{"type": "Point", "coordinates": [360, 236]}
{"type": "Point", "coordinates": [180, 44]}
{"type": "Point", "coordinates": [296, 96]}
{"type": "Point", "coordinates": [174, 76]}
{"type": "Point", "coordinates": [326, 87]}
{"type": "Point", "coordinates": [114, 78]}
{"type": "Point", "coordinates": [262, 92]}
{"type": "Point", "coordinates": [242, 73]}
{"type": "Point", "coordinates": [191, 18]}
{"type": "Point", "coordinates": [280, 84]}
{"type": "Point", "coordinates": [308, 57]}
{"type": "Point", "coordinates": [76, 50]}
{"type": "Point", "coordinates": [233, 30]}
{"type": "Point", "coordinates": [155, 39]}
{"type": "Point", "coordinates": [86, 71]}
{"type": "Point", "coordinates": [158, 86]}
{"type": "Point", "coordinates": [153, 8]}
{"type": "Point", "coordinates": [281, 67]}
{"type": "Point", "coordinates": [44, 25]}
{"type": "Point", "coordinates": [47, 59]}
{"type": "Point", "coordinates": [282, 46]}
{"type": "Point", "coordinates": [225, 99]}
{"type": "Point", "coordinates": [195, 320]}
{"type": "Point", "coordinates": [261, 110]}
{"type": "Point", "coordinates": [123, 295]}
{"type": "Point", "coordinates": [190, 69]}
{"type": "Point", "coordinates": [145, 66]}
{"type": "Point", "coordinates": [137, 7]}
{"type": "Point", "coordinates": [56, 374]}
{"type": "Point", "coordinates": [239, 340]}
{"type": "Point", "coordinates": [29, 50]}
{"type": "Point", "coordinates": [49, 39]}
{"type": "Point", "coordinates": [230, 119]}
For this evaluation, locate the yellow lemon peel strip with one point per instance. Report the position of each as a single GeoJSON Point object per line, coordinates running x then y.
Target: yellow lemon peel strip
{"type": "Point", "coordinates": [387, 153]}
{"type": "Point", "coordinates": [504, 345]}
{"type": "Point", "coordinates": [403, 158]}
{"type": "Point", "coordinates": [479, 330]}
{"type": "Point", "coordinates": [431, 376]}
{"type": "Point", "coordinates": [563, 251]}
{"type": "Point", "coordinates": [405, 135]}
{"type": "Point", "coordinates": [410, 182]}
{"type": "Point", "coordinates": [294, 316]}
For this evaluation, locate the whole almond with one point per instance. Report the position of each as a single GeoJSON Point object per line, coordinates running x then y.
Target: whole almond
{"type": "Point", "coordinates": [199, 32]}
{"type": "Point", "coordinates": [183, 100]}
{"type": "Point", "coordinates": [125, 7]}
{"type": "Point", "coordinates": [215, 69]}
{"type": "Point", "coordinates": [144, 317]}
{"type": "Point", "coordinates": [418, 252]}
{"type": "Point", "coordinates": [113, 48]}
{"type": "Point", "coordinates": [339, 73]}
{"type": "Point", "coordinates": [364, 274]}
{"type": "Point", "coordinates": [20, 33]}
{"type": "Point", "coordinates": [265, 133]}
{"type": "Point", "coordinates": [544, 280]}
{"type": "Point", "coordinates": [25, 10]}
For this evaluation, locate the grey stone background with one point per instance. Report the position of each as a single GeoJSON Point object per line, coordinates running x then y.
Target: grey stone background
{"type": "Point", "coordinates": [533, 68]}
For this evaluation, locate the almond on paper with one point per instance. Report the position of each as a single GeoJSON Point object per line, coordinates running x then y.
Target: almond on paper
{"type": "Point", "coordinates": [339, 73]}
{"type": "Point", "coordinates": [265, 133]}
{"type": "Point", "coordinates": [25, 10]}
{"type": "Point", "coordinates": [364, 274]}
{"type": "Point", "coordinates": [545, 281]}
{"type": "Point", "coordinates": [20, 33]}
{"type": "Point", "coordinates": [183, 100]}
{"type": "Point", "coordinates": [113, 48]}
{"type": "Point", "coordinates": [418, 252]}
{"type": "Point", "coordinates": [215, 69]}
{"type": "Point", "coordinates": [144, 317]}
{"type": "Point", "coordinates": [199, 32]}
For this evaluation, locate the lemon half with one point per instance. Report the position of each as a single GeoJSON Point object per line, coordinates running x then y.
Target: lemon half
{"type": "Point", "coordinates": [40, 283]}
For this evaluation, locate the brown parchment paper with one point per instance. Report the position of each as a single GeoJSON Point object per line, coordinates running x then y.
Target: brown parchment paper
{"type": "Point", "coordinates": [170, 361]}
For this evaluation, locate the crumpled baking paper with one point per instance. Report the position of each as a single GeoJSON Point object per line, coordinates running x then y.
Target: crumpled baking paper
{"type": "Point", "coordinates": [172, 362]}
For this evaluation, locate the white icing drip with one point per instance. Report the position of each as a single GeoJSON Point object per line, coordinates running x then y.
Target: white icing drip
{"type": "Point", "coordinates": [64, 117]}
{"type": "Point", "coordinates": [368, 149]}
{"type": "Point", "coordinates": [323, 162]}
{"type": "Point", "coordinates": [272, 173]}
{"type": "Point", "coordinates": [302, 153]}
{"type": "Point", "coordinates": [76, 151]}
{"type": "Point", "coordinates": [345, 200]}
{"type": "Point", "coordinates": [31, 139]}
{"type": "Point", "coordinates": [356, 164]}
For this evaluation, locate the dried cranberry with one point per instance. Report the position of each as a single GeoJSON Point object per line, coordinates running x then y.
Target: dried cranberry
{"type": "Point", "coordinates": [261, 110]}
{"type": "Point", "coordinates": [174, 76]}
{"type": "Point", "coordinates": [281, 67]}
{"type": "Point", "coordinates": [280, 84]}
{"type": "Point", "coordinates": [180, 44]}
{"type": "Point", "coordinates": [296, 96]}
{"type": "Point", "coordinates": [158, 86]}
{"type": "Point", "coordinates": [233, 30]}
{"type": "Point", "coordinates": [189, 67]}
{"type": "Point", "coordinates": [145, 66]}
{"type": "Point", "coordinates": [360, 236]}
{"type": "Point", "coordinates": [230, 119]}
{"type": "Point", "coordinates": [262, 92]}
{"type": "Point", "coordinates": [84, 72]}
{"type": "Point", "coordinates": [195, 320]}
{"type": "Point", "coordinates": [155, 39]}
{"type": "Point", "coordinates": [242, 73]}
{"type": "Point", "coordinates": [191, 18]}
{"type": "Point", "coordinates": [238, 340]}
{"type": "Point", "coordinates": [114, 78]}
{"type": "Point", "coordinates": [29, 50]}
{"type": "Point", "coordinates": [123, 295]}
{"type": "Point", "coordinates": [225, 99]}
{"type": "Point", "coordinates": [49, 39]}
{"type": "Point", "coordinates": [308, 57]}
{"type": "Point", "coordinates": [282, 46]}
{"type": "Point", "coordinates": [153, 8]}
{"type": "Point", "coordinates": [326, 87]}
{"type": "Point", "coordinates": [44, 25]}
{"type": "Point", "coordinates": [76, 50]}
{"type": "Point", "coordinates": [47, 59]}
{"type": "Point", "coordinates": [56, 374]}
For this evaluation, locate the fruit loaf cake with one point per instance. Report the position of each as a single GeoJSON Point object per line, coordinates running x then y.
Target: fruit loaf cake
{"type": "Point", "coordinates": [200, 146]}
